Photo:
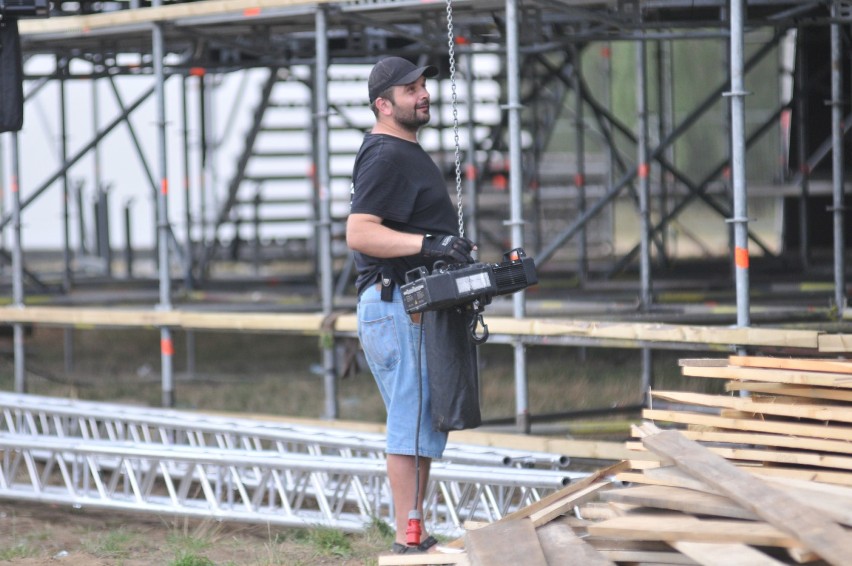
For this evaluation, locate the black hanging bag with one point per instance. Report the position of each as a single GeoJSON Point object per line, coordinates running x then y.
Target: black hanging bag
{"type": "Point", "coordinates": [11, 77]}
{"type": "Point", "coordinates": [453, 370]}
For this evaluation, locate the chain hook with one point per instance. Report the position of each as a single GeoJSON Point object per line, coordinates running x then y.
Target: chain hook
{"type": "Point", "coordinates": [474, 337]}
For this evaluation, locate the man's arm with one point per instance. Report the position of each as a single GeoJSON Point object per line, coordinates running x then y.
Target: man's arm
{"type": "Point", "coordinates": [365, 233]}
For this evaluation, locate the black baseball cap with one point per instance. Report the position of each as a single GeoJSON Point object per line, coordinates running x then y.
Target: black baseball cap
{"type": "Point", "coordinates": [393, 71]}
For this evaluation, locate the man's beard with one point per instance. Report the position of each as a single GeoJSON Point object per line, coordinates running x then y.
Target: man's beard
{"type": "Point", "coordinates": [411, 121]}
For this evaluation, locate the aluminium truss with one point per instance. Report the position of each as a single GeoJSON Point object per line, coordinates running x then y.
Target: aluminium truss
{"type": "Point", "coordinates": [146, 460]}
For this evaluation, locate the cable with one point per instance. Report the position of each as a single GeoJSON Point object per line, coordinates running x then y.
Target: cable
{"type": "Point", "coordinates": [413, 532]}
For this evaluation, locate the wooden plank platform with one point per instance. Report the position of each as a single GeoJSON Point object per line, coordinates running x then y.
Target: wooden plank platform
{"type": "Point", "coordinates": [316, 323]}
{"type": "Point", "coordinates": [73, 25]}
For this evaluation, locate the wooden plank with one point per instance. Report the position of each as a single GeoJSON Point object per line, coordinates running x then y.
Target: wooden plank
{"type": "Point", "coordinates": [83, 24]}
{"type": "Point", "coordinates": [811, 392]}
{"type": "Point", "coordinates": [561, 546]}
{"type": "Point", "coordinates": [89, 316]}
{"type": "Point", "coordinates": [776, 375]}
{"type": "Point", "coordinates": [802, 522]}
{"type": "Point", "coordinates": [747, 405]}
{"type": "Point", "coordinates": [835, 501]}
{"type": "Point", "coordinates": [805, 364]}
{"type": "Point", "coordinates": [703, 362]}
{"type": "Point", "coordinates": [679, 499]}
{"type": "Point", "coordinates": [559, 495]}
{"type": "Point", "coordinates": [641, 526]}
{"type": "Point", "coordinates": [594, 511]}
{"type": "Point", "coordinates": [624, 544]}
{"type": "Point", "coordinates": [312, 322]}
{"type": "Point", "coordinates": [667, 476]}
{"type": "Point", "coordinates": [830, 500]}
{"type": "Point", "coordinates": [750, 424]}
{"type": "Point", "coordinates": [836, 505]}
{"type": "Point", "coordinates": [648, 556]}
{"type": "Point", "coordinates": [777, 440]}
{"type": "Point", "coordinates": [841, 495]}
{"type": "Point", "coordinates": [306, 323]}
{"type": "Point", "coordinates": [834, 343]}
{"type": "Point", "coordinates": [424, 559]}
{"type": "Point", "coordinates": [812, 459]}
{"type": "Point", "coordinates": [509, 542]}
{"type": "Point", "coordinates": [824, 476]}
{"type": "Point", "coordinates": [92, 317]}
{"type": "Point", "coordinates": [712, 554]}
{"type": "Point", "coordinates": [557, 508]}
{"type": "Point", "coordinates": [654, 332]}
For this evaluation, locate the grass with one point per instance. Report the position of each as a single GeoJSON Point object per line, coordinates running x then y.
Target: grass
{"type": "Point", "coordinates": [330, 542]}
{"type": "Point", "coordinates": [190, 559]}
{"type": "Point", "coordinates": [22, 550]}
{"type": "Point", "coordinates": [118, 543]}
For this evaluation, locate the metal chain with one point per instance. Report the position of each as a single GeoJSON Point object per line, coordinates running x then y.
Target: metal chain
{"type": "Point", "coordinates": [451, 47]}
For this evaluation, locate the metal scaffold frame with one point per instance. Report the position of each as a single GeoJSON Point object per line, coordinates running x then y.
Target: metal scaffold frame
{"type": "Point", "coordinates": [285, 33]}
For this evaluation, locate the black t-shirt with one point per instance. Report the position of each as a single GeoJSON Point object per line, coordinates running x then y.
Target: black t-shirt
{"type": "Point", "coordinates": [397, 181]}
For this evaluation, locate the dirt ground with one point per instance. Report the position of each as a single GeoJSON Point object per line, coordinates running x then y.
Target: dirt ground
{"type": "Point", "coordinates": [48, 534]}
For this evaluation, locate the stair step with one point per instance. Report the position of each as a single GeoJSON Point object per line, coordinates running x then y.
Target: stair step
{"type": "Point", "coordinates": [286, 177]}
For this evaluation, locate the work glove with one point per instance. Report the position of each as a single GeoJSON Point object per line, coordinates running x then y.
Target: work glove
{"type": "Point", "coordinates": [455, 249]}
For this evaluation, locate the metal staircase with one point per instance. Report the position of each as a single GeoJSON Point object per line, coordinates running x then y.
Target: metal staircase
{"type": "Point", "coordinates": [178, 463]}
{"type": "Point", "coordinates": [272, 202]}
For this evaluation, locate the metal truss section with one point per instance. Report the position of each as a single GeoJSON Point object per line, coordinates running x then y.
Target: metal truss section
{"type": "Point", "coordinates": [56, 417]}
{"type": "Point", "coordinates": [171, 463]}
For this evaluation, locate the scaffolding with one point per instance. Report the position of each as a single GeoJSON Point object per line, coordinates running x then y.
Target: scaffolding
{"type": "Point", "coordinates": [540, 46]}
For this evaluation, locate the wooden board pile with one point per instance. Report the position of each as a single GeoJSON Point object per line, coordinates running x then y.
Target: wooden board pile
{"type": "Point", "coordinates": [763, 479]}
{"type": "Point", "coordinates": [794, 423]}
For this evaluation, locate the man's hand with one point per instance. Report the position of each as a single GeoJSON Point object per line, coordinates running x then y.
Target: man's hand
{"type": "Point", "coordinates": [456, 249]}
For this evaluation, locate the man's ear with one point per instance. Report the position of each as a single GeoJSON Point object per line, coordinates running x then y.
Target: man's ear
{"type": "Point", "coordinates": [384, 106]}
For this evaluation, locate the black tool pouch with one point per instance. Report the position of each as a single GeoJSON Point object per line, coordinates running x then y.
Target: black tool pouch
{"type": "Point", "coordinates": [453, 370]}
{"type": "Point", "coordinates": [387, 285]}
{"type": "Point", "coordinates": [11, 77]}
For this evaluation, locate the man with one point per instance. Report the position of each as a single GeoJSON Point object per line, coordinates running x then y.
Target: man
{"type": "Point", "coordinates": [401, 217]}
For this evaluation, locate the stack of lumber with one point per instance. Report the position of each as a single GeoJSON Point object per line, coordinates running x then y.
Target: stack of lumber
{"type": "Point", "coordinates": [757, 479]}
{"type": "Point", "coordinates": [794, 423]}
{"type": "Point", "coordinates": [780, 438]}
{"type": "Point", "coordinates": [713, 510]}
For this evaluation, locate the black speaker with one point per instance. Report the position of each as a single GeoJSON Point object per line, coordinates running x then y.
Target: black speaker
{"type": "Point", "coordinates": [11, 77]}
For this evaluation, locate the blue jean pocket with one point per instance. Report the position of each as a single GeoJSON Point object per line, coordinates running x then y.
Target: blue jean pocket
{"type": "Point", "coordinates": [380, 343]}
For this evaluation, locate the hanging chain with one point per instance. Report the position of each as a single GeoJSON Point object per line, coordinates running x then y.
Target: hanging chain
{"type": "Point", "coordinates": [451, 47]}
